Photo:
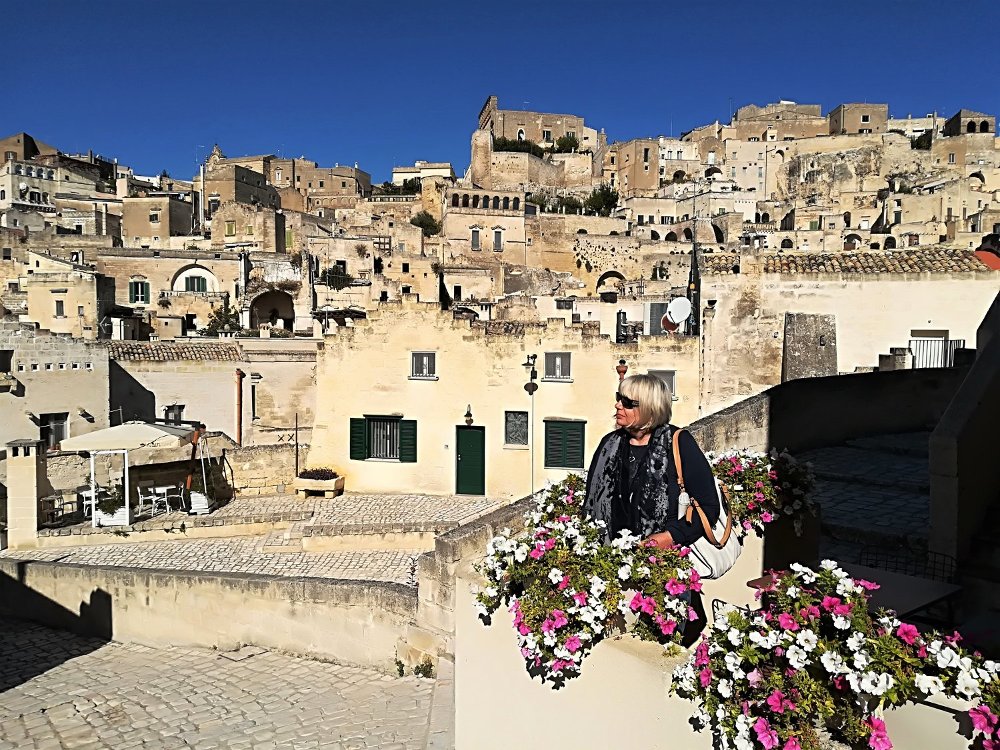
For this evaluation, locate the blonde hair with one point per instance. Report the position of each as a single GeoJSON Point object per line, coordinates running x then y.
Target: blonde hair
{"type": "Point", "coordinates": [655, 400]}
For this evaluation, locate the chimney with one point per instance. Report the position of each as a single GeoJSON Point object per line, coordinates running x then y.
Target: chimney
{"type": "Point", "coordinates": [26, 483]}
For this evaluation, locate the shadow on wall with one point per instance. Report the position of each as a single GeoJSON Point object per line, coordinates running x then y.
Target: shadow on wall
{"type": "Point", "coordinates": [130, 399]}
{"type": "Point", "coordinates": [27, 651]}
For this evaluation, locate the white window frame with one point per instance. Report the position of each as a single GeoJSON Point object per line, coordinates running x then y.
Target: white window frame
{"type": "Point", "coordinates": [423, 365]}
{"type": "Point", "coordinates": [669, 377]}
{"type": "Point", "coordinates": [558, 367]}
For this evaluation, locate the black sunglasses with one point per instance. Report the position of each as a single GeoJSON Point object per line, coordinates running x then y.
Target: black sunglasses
{"type": "Point", "coordinates": [627, 402]}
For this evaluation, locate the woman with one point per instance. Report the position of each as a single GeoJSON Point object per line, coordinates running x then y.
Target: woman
{"type": "Point", "coordinates": [632, 482]}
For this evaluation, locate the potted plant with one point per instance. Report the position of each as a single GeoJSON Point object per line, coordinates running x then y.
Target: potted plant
{"type": "Point", "coordinates": [110, 508]}
{"type": "Point", "coordinates": [320, 480]}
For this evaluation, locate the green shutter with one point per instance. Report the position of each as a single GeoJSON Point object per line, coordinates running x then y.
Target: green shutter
{"type": "Point", "coordinates": [359, 440]}
{"type": "Point", "coordinates": [564, 445]}
{"type": "Point", "coordinates": [573, 445]}
{"type": "Point", "coordinates": [408, 441]}
{"type": "Point", "coordinates": [131, 292]}
{"type": "Point", "coordinates": [145, 292]}
{"type": "Point", "coordinates": [554, 444]}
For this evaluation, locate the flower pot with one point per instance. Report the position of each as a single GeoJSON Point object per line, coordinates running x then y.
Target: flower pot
{"type": "Point", "coordinates": [325, 487]}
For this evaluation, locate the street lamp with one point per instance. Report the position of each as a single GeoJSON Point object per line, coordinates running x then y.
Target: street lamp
{"type": "Point", "coordinates": [530, 387]}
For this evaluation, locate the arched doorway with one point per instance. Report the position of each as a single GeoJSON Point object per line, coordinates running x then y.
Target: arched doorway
{"type": "Point", "coordinates": [688, 235]}
{"type": "Point", "coordinates": [971, 127]}
{"type": "Point", "coordinates": [654, 235]}
{"type": "Point", "coordinates": [765, 218]}
{"type": "Point", "coordinates": [679, 175]}
{"type": "Point", "coordinates": [606, 276]}
{"type": "Point", "coordinates": [786, 244]}
{"type": "Point", "coordinates": [671, 237]}
{"type": "Point", "coordinates": [712, 171]}
{"type": "Point", "coordinates": [852, 242]}
{"type": "Point", "coordinates": [275, 308]}
{"type": "Point", "coordinates": [984, 127]}
{"type": "Point", "coordinates": [890, 243]}
{"type": "Point", "coordinates": [847, 219]}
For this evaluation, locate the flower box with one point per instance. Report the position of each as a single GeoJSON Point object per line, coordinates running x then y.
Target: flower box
{"type": "Point", "coordinates": [118, 518]}
{"type": "Point", "coordinates": [324, 487]}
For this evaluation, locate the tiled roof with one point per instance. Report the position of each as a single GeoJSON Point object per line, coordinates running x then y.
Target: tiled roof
{"type": "Point", "coordinates": [912, 260]}
{"type": "Point", "coordinates": [167, 351]}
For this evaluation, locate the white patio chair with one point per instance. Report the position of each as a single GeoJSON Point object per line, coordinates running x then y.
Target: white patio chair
{"type": "Point", "coordinates": [173, 494]}
{"type": "Point", "coordinates": [87, 499]}
{"type": "Point", "coordinates": [148, 494]}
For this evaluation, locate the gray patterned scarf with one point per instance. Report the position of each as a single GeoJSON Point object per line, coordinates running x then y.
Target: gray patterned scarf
{"type": "Point", "coordinates": [607, 482]}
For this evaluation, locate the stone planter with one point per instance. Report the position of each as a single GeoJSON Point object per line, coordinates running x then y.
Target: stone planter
{"type": "Point", "coordinates": [324, 487]}
{"type": "Point", "coordinates": [118, 518]}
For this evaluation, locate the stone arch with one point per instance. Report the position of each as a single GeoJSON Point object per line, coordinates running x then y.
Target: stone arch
{"type": "Point", "coordinates": [765, 217]}
{"type": "Point", "coordinates": [786, 244]}
{"type": "Point", "coordinates": [273, 307]}
{"type": "Point", "coordinates": [679, 175]}
{"type": "Point", "coordinates": [516, 204]}
{"type": "Point", "coordinates": [654, 235]}
{"type": "Point", "coordinates": [719, 236]}
{"type": "Point", "coordinates": [475, 201]}
{"type": "Point", "coordinates": [506, 203]}
{"type": "Point", "coordinates": [978, 176]}
{"type": "Point", "coordinates": [496, 202]}
{"type": "Point", "coordinates": [486, 201]}
{"type": "Point", "coordinates": [984, 126]}
{"type": "Point", "coordinates": [847, 219]}
{"type": "Point", "coordinates": [756, 218]}
{"type": "Point", "coordinates": [779, 155]}
{"type": "Point", "coordinates": [465, 200]}
{"type": "Point", "coordinates": [971, 127]}
{"type": "Point", "coordinates": [608, 275]}
{"type": "Point", "coordinates": [890, 243]}
{"type": "Point", "coordinates": [179, 282]}
{"type": "Point", "coordinates": [454, 200]}
{"type": "Point", "coordinates": [520, 134]}
{"type": "Point", "coordinates": [712, 171]}
{"type": "Point", "coordinates": [671, 237]}
{"type": "Point", "coordinates": [852, 242]}
{"type": "Point", "coordinates": [688, 234]}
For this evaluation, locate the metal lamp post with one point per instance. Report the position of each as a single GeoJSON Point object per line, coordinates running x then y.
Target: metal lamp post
{"type": "Point", "coordinates": [530, 387]}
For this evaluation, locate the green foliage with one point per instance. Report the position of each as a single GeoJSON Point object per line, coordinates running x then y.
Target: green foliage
{"type": "Point", "coordinates": [409, 187]}
{"type": "Point", "coordinates": [602, 201]}
{"type": "Point", "coordinates": [112, 502]}
{"type": "Point", "coordinates": [336, 277]}
{"type": "Point", "coordinates": [511, 144]}
{"type": "Point", "coordinates": [567, 144]}
{"type": "Point", "coordinates": [400, 668]}
{"type": "Point", "coordinates": [569, 204]}
{"type": "Point", "coordinates": [427, 223]}
{"type": "Point", "coordinates": [539, 199]}
{"type": "Point", "coordinates": [320, 473]}
{"type": "Point", "coordinates": [425, 668]}
{"type": "Point", "coordinates": [921, 142]}
{"type": "Point", "coordinates": [221, 317]}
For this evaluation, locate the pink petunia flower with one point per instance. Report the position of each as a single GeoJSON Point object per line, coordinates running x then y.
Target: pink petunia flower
{"type": "Point", "coordinates": [692, 615]}
{"type": "Point", "coordinates": [573, 644]}
{"type": "Point", "coordinates": [879, 739]}
{"type": "Point", "coordinates": [580, 597]}
{"type": "Point", "coordinates": [705, 677]}
{"type": "Point", "coordinates": [675, 587]}
{"type": "Point", "coordinates": [907, 633]}
{"type": "Point", "coordinates": [754, 678]}
{"type": "Point", "coordinates": [694, 582]}
{"type": "Point", "coordinates": [559, 618]}
{"type": "Point", "coordinates": [787, 622]}
{"type": "Point", "coordinates": [792, 744]}
{"type": "Point", "coordinates": [523, 629]}
{"type": "Point", "coordinates": [550, 543]}
{"type": "Point", "coordinates": [548, 626]}
{"type": "Point", "coordinates": [766, 517]}
{"type": "Point", "coordinates": [667, 627]}
{"type": "Point", "coordinates": [563, 583]}
{"type": "Point", "coordinates": [776, 702]}
{"type": "Point", "coordinates": [765, 735]}
{"type": "Point", "coordinates": [537, 552]}
{"type": "Point", "coordinates": [983, 719]}
{"type": "Point", "coordinates": [867, 585]}
{"type": "Point", "coordinates": [829, 602]}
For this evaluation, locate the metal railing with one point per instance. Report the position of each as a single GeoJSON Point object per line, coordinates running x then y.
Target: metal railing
{"type": "Point", "coordinates": [935, 352]}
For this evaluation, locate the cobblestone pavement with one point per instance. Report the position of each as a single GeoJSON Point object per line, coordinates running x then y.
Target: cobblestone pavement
{"type": "Point", "coordinates": [59, 690]}
{"type": "Point", "coordinates": [873, 490]}
{"type": "Point", "coordinates": [235, 555]}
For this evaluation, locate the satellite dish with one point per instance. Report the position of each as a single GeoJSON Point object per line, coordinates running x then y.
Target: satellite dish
{"type": "Point", "coordinates": [678, 310]}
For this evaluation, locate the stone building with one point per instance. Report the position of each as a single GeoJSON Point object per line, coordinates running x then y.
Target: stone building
{"type": "Point", "coordinates": [422, 169]}
{"type": "Point", "coordinates": [451, 413]}
{"type": "Point", "coordinates": [848, 119]}
{"type": "Point", "coordinates": [150, 221]}
{"type": "Point", "coordinates": [967, 121]}
{"type": "Point", "coordinates": [248, 226]}
{"type": "Point", "coordinates": [542, 128]}
{"type": "Point", "coordinates": [319, 187]}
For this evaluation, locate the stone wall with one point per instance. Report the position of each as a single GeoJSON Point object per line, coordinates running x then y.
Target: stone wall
{"type": "Point", "coordinates": [356, 622]}
{"type": "Point", "coordinates": [264, 469]}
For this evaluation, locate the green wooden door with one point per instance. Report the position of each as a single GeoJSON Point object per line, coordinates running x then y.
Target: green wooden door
{"type": "Point", "coordinates": [470, 462]}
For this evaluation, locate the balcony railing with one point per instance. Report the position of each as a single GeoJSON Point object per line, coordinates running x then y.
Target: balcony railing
{"type": "Point", "coordinates": [935, 352]}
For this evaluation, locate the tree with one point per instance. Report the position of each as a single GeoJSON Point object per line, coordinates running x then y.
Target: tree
{"type": "Point", "coordinates": [566, 144]}
{"type": "Point", "coordinates": [568, 204]}
{"type": "Point", "coordinates": [603, 200]}
{"type": "Point", "coordinates": [427, 223]}
{"type": "Point", "coordinates": [511, 144]}
{"type": "Point", "coordinates": [220, 318]}
{"type": "Point", "coordinates": [336, 277]}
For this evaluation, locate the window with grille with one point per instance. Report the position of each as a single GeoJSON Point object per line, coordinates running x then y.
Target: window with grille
{"type": "Point", "coordinates": [174, 413]}
{"type": "Point", "coordinates": [423, 365]}
{"type": "Point", "coordinates": [515, 428]}
{"type": "Point", "coordinates": [557, 365]}
{"type": "Point", "coordinates": [386, 438]}
{"type": "Point", "coordinates": [564, 441]}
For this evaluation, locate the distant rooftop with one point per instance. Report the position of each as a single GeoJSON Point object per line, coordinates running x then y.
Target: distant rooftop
{"type": "Point", "coordinates": [133, 351]}
{"type": "Point", "coordinates": [907, 260]}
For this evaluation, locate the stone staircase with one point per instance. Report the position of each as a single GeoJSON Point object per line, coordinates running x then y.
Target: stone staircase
{"type": "Point", "coordinates": [873, 491]}
{"type": "Point", "coordinates": [285, 540]}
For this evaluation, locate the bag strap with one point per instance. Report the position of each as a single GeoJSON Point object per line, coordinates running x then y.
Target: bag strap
{"type": "Point", "coordinates": [695, 506]}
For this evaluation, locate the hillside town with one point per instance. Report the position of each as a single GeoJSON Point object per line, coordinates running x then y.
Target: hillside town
{"type": "Point", "coordinates": [345, 384]}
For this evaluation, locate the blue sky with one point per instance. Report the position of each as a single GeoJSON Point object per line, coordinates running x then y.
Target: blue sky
{"type": "Point", "coordinates": [156, 84]}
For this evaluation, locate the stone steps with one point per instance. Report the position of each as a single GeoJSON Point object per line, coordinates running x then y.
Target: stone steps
{"type": "Point", "coordinates": [289, 540]}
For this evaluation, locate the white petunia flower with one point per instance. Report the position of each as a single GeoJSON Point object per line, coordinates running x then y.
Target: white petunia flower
{"type": "Point", "coordinates": [861, 660]}
{"type": "Point", "coordinates": [725, 688]}
{"type": "Point", "coordinates": [930, 685]}
{"type": "Point", "coordinates": [792, 591]}
{"type": "Point", "coordinates": [967, 685]}
{"type": "Point", "coordinates": [829, 565]}
{"type": "Point", "coordinates": [797, 657]}
{"type": "Point", "coordinates": [555, 575]}
{"type": "Point", "coordinates": [876, 684]}
{"type": "Point", "coordinates": [807, 640]}
{"type": "Point", "coordinates": [947, 658]}
{"type": "Point", "coordinates": [856, 641]}
{"type": "Point", "coordinates": [624, 572]}
{"type": "Point", "coordinates": [841, 623]}
{"type": "Point", "coordinates": [833, 662]}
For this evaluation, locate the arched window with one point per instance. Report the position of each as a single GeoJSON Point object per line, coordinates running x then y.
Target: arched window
{"type": "Point", "coordinates": [51, 174]}
{"type": "Point", "coordinates": [496, 202]}
{"type": "Point", "coordinates": [465, 200]}
{"type": "Point", "coordinates": [847, 219]}
{"type": "Point", "coordinates": [520, 134]}
{"type": "Point", "coordinates": [874, 246]}
{"type": "Point", "coordinates": [890, 243]}
{"type": "Point", "coordinates": [687, 234]}
{"type": "Point", "coordinates": [486, 201]}
{"type": "Point", "coordinates": [475, 201]}
{"type": "Point", "coordinates": [679, 175]}
{"type": "Point", "coordinates": [29, 172]}
{"type": "Point", "coordinates": [581, 230]}
{"type": "Point", "coordinates": [971, 127]}
{"type": "Point", "coordinates": [786, 244]}
{"type": "Point", "coordinates": [756, 217]}
{"type": "Point", "coordinates": [506, 203]}
{"type": "Point", "coordinates": [765, 217]}
{"type": "Point", "coordinates": [984, 126]}
{"type": "Point", "coordinates": [17, 169]}
{"type": "Point", "coordinates": [516, 205]}
{"type": "Point", "coordinates": [454, 201]}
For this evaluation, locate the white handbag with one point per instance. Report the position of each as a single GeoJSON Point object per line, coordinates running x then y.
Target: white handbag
{"type": "Point", "coordinates": [714, 554]}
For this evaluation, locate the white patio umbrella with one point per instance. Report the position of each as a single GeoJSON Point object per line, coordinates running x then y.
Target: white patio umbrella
{"type": "Point", "coordinates": [122, 439]}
